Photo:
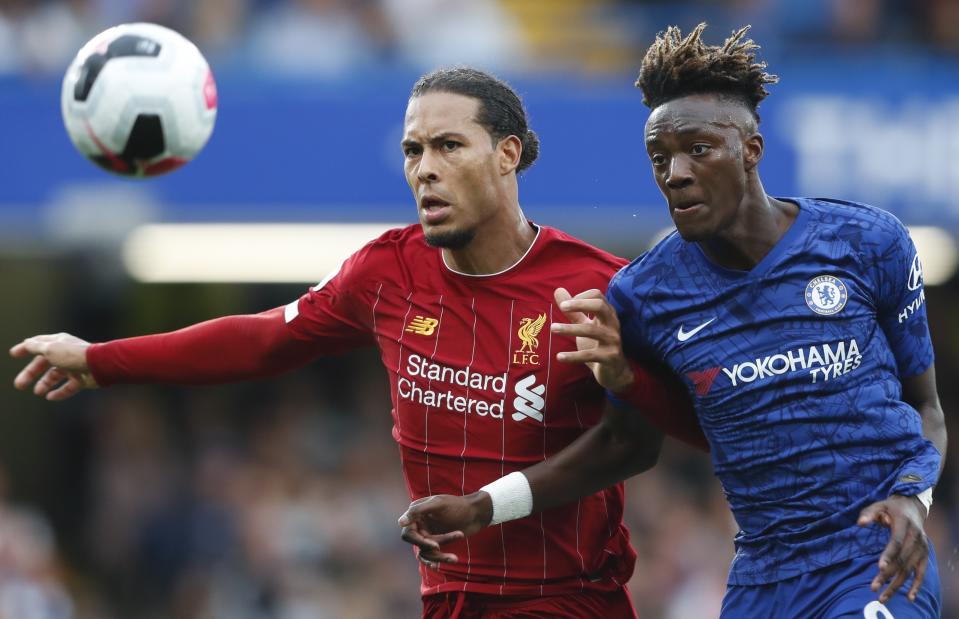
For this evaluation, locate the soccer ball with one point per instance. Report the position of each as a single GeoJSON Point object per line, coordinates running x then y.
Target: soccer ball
{"type": "Point", "coordinates": [139, 100]}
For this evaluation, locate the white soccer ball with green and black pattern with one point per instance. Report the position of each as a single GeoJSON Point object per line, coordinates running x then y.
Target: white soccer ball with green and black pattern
{"type": "Point", "coordinates": [139, 100]}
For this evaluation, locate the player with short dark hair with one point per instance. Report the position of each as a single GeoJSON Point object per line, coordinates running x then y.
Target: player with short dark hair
{"type": "Point", "coordinates": [460, 307]}
{"type": "Point", "coordinates": [500, 111]}
{"type": "Point", "coordinates": [799, 327]}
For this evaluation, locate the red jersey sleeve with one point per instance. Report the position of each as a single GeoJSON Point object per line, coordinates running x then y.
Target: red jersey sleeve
{"type": "Point", "coordinates": [332, 317]}
{"type": "Point", "coordinates": [338, 311]}
{"type": "Point", "coordinates": [227, 349]}
{"type": "Point", "coordinates": [664, 401]}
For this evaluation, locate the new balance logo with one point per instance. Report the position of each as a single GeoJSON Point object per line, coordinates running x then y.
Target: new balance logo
{"type": "Point", "coordinates": [422, 326]}
{"type": "Point", "coordinates": [682, 336]}
{"type": "Point", "coordinates": [529, 400]}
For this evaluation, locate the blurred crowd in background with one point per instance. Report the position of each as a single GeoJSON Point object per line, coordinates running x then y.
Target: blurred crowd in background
{"type": "Point", "coordinates": [333, 37]}
{"type": "Point", "coordinates": [270, 500]}
{"type": "Point", "coordinates": [278, 500]}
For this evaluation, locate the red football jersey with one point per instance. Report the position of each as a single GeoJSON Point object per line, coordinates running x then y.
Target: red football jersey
{"type": "Point", "coordinates": [477, 393]}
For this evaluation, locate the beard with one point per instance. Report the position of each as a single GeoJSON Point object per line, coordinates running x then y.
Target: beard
{"type": "Point", "coordinates": [452, 239]}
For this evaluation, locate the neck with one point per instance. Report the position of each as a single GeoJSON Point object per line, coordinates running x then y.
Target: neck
{"type": "Point", "coordinates": [760, 222]}
{"type": "Point", "coordinates": [495, 248]}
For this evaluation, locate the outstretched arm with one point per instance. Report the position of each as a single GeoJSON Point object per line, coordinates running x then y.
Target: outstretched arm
{"type": "Point", "coordinates": [228, 349]}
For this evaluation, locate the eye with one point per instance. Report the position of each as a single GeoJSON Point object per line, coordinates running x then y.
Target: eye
{"type": "Point", "coordinates": [411, 151]}
{"type": "Point", "coordinates": [657, 159]}
{"type": "Point", "coordinates": [450, 145]}
{"type": "Point", "coordinates": [699, 149]}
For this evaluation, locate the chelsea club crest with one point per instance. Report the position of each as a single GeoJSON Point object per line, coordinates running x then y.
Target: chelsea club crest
{"type": "Point", "coordinates": [826, 295]}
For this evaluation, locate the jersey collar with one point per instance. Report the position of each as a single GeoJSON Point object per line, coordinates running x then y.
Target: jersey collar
{"type": "Point", "coordinates": [529, 249]}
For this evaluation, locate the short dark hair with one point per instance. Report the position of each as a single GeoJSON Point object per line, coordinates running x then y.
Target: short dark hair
{"type": "Point", "coordinates": [501, 111]}
{"type": "Point", "coordinates": [677, 66]}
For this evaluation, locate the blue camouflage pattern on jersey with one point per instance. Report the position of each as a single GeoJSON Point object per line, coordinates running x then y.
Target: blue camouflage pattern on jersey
{"type": "Point", "coordinates": [794, 368]}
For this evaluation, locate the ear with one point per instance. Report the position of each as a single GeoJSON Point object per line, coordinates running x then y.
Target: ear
{"type": "Point", "coordinates": [508, 152]}
{"type": "Point", "coordinates": [753, 147]}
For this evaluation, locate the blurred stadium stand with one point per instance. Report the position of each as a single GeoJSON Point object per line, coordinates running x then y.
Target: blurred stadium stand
{"type": "Point", "coordinates": [277, 500]}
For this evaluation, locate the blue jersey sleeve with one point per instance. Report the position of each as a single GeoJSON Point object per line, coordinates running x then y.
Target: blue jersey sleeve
{"type": "Point", "coordinates": [901, 308]}
{"type": "Point", "coordinates": [901, 303]}
{"type": "Point", "coordinates": [618, 295]}
{"type": "Point", "coordinates": [621, 295]}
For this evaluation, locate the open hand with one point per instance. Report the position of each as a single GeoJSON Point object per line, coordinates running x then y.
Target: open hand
{"type": "Point", "coordinates": [59, 368]}
{"type": "Point", "coordinates": [598, 341]}
{"type": "Point", "coordinates": [908, 549]}
{"type": "Point", "coordinates": [433, 521]}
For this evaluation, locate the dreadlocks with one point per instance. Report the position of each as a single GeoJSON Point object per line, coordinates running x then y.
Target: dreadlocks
{"type": "Point", "coordinates": [675, 67]}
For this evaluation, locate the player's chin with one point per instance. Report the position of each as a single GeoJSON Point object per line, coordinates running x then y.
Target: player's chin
{"type": "Point", "coordinates": [447, 237]}
{"type": "Point", "coordinates": [692, 232]}
{"type": "Point", "coordinates": [696, 223]}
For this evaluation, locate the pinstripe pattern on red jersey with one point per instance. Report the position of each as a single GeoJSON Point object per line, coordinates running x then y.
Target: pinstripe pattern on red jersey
{"type": "Point", "coordinates": [399, 359]}
{"type": "Point", "coordinates": [579, 506]}
{"type": "Point", "coordinates": [396, 399]}
{"type": "Point", "coordinates": [502, 462]}
{"type": "Point", "coordinates": [379, 290]}
{"type": "Point", "coordinates": [465, 420]}
{"type": "Point", "coordinates": [487, 442]}
{"type": "Point", "coordinates": [426, 409]}
{"type": "Point", "coordinates": [549, 365]}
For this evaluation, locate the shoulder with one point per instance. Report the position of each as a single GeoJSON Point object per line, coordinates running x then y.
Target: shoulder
{"type": "Point", "coordinates": [647, 271]}
{"type": "Point", "coordinates": [557, 244]}
{"type": "Point", "coordinates": [875, 238]}
{"type": "Point", "coordinates": [865, 222]}
{"type": "Point", "coordinates": [407, 237]}
{"type": "Point", "coordinates": [648, 265]}
{"type": "Point", "coordinates": [392, 243]}
{"type": "Point", "coordinates": [387, 253]}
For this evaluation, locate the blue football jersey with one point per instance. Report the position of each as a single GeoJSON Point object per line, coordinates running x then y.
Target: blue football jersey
{"type": "Point", "coordinates": [794, 368]}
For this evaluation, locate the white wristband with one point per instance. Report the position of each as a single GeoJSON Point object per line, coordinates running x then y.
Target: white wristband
{"type": "Point", "coordinates": [512, 497]}
{"type": "Point", "coordinates": [925, 497]}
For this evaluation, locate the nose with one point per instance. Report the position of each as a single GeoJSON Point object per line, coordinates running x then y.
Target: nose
{"type": "Point", "coordinates": [680, 173]}
{"type": "Point", "coordinates": [427, 170]}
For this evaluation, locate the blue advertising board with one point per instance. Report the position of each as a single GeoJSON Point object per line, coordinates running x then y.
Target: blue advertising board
{"type": "Point", "coordinates": [880, 131]}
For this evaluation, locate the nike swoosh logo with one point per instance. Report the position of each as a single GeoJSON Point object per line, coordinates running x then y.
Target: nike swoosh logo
{"type": "Point", "coordinates": [682, 336]}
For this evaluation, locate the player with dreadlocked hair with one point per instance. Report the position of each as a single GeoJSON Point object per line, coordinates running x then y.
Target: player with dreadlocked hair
{"type": "Point", "coordinates": [675, 67]}
{"type": "Point", "coordinates": [799, 328]}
